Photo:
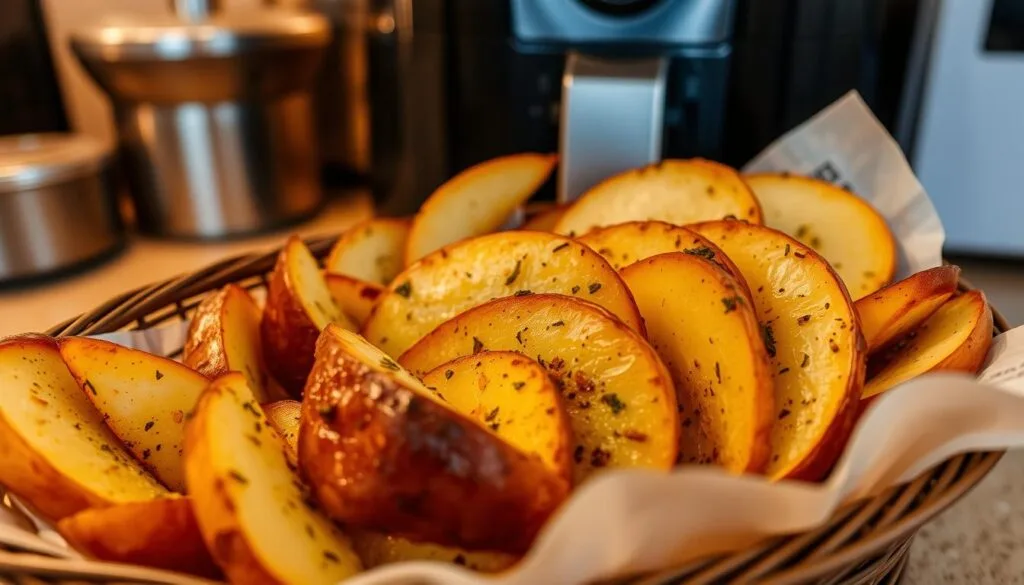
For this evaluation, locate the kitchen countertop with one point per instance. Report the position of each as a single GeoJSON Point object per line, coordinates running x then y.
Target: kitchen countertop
{"type": "Point", "coordinates": [979, 541]}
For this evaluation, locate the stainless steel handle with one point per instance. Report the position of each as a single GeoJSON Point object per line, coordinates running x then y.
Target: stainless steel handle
{"type": "Point", "coordinates": [195, 10]}
{"type": "Point", "coordinates": [612, 116]}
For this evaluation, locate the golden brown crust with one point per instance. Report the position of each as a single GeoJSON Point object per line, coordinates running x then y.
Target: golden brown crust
{"type": "Point", "coordinates": [900, 307]}
{"type": "Point", "coordinates": [382, 457]}
{"type": "Point", "coordinates": [204, 345]}
{"type": "Point", "coordinates": [287, 333]}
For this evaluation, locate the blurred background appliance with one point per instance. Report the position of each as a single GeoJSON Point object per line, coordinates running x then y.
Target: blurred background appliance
{"type": "Point", "coordinates": [968, 142]}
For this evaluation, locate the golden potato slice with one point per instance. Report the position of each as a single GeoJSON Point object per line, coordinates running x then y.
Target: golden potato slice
{"type": "Point", "coordinates": [702, 324]}
{"type": "Point", "coordinates": [625, 243]}
{"type": "Point", "coordinates": [379, 549]}
{"type": "Point", "coordinates": [372, 251]}
{"type": "Point", "coordinates": [505, 264]}
{"type": "Point", "coordinates": [956, 338]}
{"type": "Point", "coordinates": [513, 396]}
{"type": "Point", "coordinates": [354, 297]}
{"type": "Point", "coordinates": [160, 533]}
{"type": "Point", "coordinates": [673, 191]}
{"type": "Point", "coordinates": [383, 454]}
{"type": "Point", "coordinates": [839, 225]}
{"type": "Point", "coordinates": [224, 336]}
{"type": "Point", "coordinates": [253, 512]}
{"type": "Point", "coordinates": [283, 415]}
{"type": "Point", "coordinates": [143, 398]}
{"type": "Point", "coordinates": [476, 201]}
{"type": "Point", "coordinates": [545, 219]}
{"type": "Point", "coordinates": [299, 305]}
{"type": "Point", "coordinates": [900, 307]}
{"type": "Point", "coordinates": [813, 337]}
{"type": "Point", "coordinates": [56, 453]}
{"type": "Point", "coordinates": [617, 392]}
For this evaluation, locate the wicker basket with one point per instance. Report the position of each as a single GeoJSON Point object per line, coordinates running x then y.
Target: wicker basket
{"type": "Point", "coordinates": [865, 542]}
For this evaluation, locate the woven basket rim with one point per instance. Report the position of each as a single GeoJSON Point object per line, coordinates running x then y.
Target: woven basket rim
{"type": "Point", "coordinates": [894, 515]}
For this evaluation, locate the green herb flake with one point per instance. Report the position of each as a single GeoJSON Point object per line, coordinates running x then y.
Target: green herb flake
{"type": "Point", "coordinates": [389, 364]}
{"type": "Point", "coordinates": [492, 415]}
{"type": "Point", "coordinates": [613, 402]}
{"type": "Point", "coordinates": [478, 345]}
{"type": "Point", "coordinates": [404, 289]}
{"type": "Point", "coordinates": [560, 247]}
{"type": "Point", "coordinates": [594, 287]}
{"type": "Point", "coordinates": [159, 374]}
{"type": "Point", "coordinates": [515, 273]}
{"type": "Point", "coordinates": [703, 252]}
{"type": "Point", "coordinates": [448, 374]}
{"type": "Point", "coordinates": [331, 557]}
{"type": "Point", "coordinates": [769, 338]}
{"type": "Point", "coordinates": [148, 426]}
{"type": "Point", "coordinates": [523, 292]}
{"type": "Point", "coordinates": [518, 385]}
{"type": "Point", "coordinates": [89, 385]}
{"type": "Point", "coordinates": [731, 303]}
{"type": "Point", "coordinates": [235, 475]}
{"type": "Point", "coordinates": [576, 289]}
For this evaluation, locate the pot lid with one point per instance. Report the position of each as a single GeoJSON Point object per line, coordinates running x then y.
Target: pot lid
{"type": "Point", "coordinates": [30, 161]}
{"type": "Point", "coordinates": [168, 37]}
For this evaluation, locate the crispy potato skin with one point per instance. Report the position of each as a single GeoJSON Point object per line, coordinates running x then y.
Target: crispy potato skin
{"type": "Point", "coordinates": [160, 533]}
{"type": "Point", "coordinates": [288, 334]}
{"type": "Point", "coordinates": [900, 307]}
{"type": "Point", "coordinates": [381, 457]}
{"type": "Point", "coordinates": [355, 297]}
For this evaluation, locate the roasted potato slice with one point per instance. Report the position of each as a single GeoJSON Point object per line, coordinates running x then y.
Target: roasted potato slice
{"type": "Point", "coordinates": [545, 219]}
{"type": "Point", "coordinates": [283, 415]}
{"type": "Point", "coordinates": [224, 336]}
{"type": "Point", "coordinates": [513, 396]}
{"type": "Point", "coordinates": [160, 533]}
{"type": "Point", "coordinates": [812, 334]}
{"type": "Point", "coordinates": [354, 297]}
{"type": "Point", "coordinates": [956, 338]}
{"type": "Point", "coordinates": [372, 251]}
{"type": "Point", "coordinates": [383, 454]}
{"type": "Point", "coordinates": [673, 191]}
{"type": "Point", "coordinates": [839, 225]}
{"type": "Point", "coordinates": [625, 243]}
{"type": "Point", "coordinates": [55, 452]}
{"type": "Point", "coordinates": [253, 512]}
{"type": "Point", "coordinates": [467, 274]}
{"type": "Point", "coordinates": [379, 549]}
{"type": "Point", "coordinates": [299, 305]}
{"type": "Point", "coordinates": [900, 307]}
{"type": "Point", "coordinates": [617, 392]}
{"type": "Point", "coordinates": [482, 197]}
{"type": "Point", "coordinates": [143, 398]}
{"type": "Point", "coordinates": [702, 323]}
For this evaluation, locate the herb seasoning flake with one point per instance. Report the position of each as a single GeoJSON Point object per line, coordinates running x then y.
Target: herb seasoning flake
{"type": "Point", "coordinates": [613, 402]}
{"type": "Point", "coordinates": [404, 289]}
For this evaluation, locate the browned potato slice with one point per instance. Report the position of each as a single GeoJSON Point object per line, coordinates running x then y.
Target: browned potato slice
{"type": "Point", "coordinates": [702, 323]}
{"type": "Point", "coordinates": [354, 297]}
{"type": "Point", "coordinates": [299, 305]}
{"type": "Point", "coordinates": [617, 392]}
{"type": "Point", "coordinates": [813, 336]}
{"type": "Point", "coordinates": [283, 415]}
{"type": "Point", "coordinates": [383, 454]}
{"type": "Point", "coordinates": [479, 200]}
{"type": "Point", "coordinates": [224, 336]}
{"type": "Point", "coordinates": [160, 533]}
{"type": "Point", "coordinates": [673, 191]}
{"type": "Point", "coordinates": [839, 225]}
{"type": "Point", "coordinates": [900, 307]}
{"type": "Point", "coordinates": [545, 219]}
{"type": "Point", "coordinates": [56, 453]}
{"type": "Point", "coordinates": [143, 398]}
{"type": "Point", "coordinates": [253, 512]}
{"type": "Point", "coordinates": [380, 549]}
{"type": "Point", "coordinates": [467, 274]}
{"type": "Point", "coordinates": [513, 396]}
{"type": "Point", "coordinates": [956, 338]}
{"type": "Point", "coordinates": [372, 251]}
{"type": "Point", "coordinates": [625, 243]}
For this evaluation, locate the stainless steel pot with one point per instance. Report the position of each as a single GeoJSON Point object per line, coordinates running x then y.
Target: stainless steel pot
{"type": "Point", "coordinates": [58, 204]}
{"type": "Point", "coordinates": [215, 116]}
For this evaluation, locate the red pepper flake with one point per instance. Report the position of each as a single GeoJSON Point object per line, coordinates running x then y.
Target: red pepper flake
{"type": "Point", "coordinates": [800, 254]}
{"type": "Point", "coordinates": [599, 457]}
{"type": "Point", "coordinates": [833, 346]}
{"type": "Point", "coordinates": [583, 383]}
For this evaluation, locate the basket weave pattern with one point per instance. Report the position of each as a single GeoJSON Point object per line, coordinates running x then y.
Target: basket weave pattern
{"type": "Point", "coordinates": [865, 542]}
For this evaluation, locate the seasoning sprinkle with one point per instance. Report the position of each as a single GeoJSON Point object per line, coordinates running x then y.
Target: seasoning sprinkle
{"type": "Point", "coordinates": [492, 415]}
{"type": "Point", "coordinates": [159, 374]}
{"type": "Point", "coordinates": [783, 413]}
{"type": "Point", "coordinates": [478, 345]}
{"type": "Point", "coordinates": [613, 402]}
{"type": "Point", "coordinates": [731, 303]}
{"type": "Point", "coordinates": [769, 339]}
{"type": "Point", "coordinates": [518, 385]}
{"type": "Point", "coordinates": [389, 364]}
{"type": "Point", "coordinates": [448, 374]}
{"type": "Point", "coordinates": [576, 289]}
{"type": "Point", "coordinates": [560, 247]}
{"type": "Point", "coordinates": [703, 252]}
{"type": "Point", "coordinates": [515, 273]}
{"type": "Point", "coordinates": [404, 289]}
{"type": "Point", "coordinates": [524, 292]}
{"type": "Point", "coordinates": [718, 372]}
{"type": "Point", "coordinates": [89, 385]}
{"type": "Point", "coordinates": [807, 360]}
{"type": "Point", "coordinates": [803, 319]}
{"type": "Point", "coordinates": [235, 475]}
{"type": "Point", "coordinates": [148, 426]}
{"type": "Point", "coordinates": [594, 287]}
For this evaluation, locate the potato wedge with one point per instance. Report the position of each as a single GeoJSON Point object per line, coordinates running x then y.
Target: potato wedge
{"type": "Point", "coordinates": [224, 336]}
{"type": "Point", "coordinates": [956, 338]}
{"type": "Point", "coordinates": [625, 243]}
{"type": "Point", "coordinates": [545, 219]}
{"type": "Point", "coordinates": [702, 323]}
{"type": "Point", "coordinates": [513, 396]}
{"type": "Point", "coordinates": [253, 512]}
{"type": "Point", "coordinates": [900, 307]}
{"type": "Point", "coordinates": [299, 305]}
{"type": "Point", "coordinates": [143, 398]}
{"type": "Point", "coordinates": [813, 337]}
{"type": "Point", "coordinates": [379, 549]}
{"type": "Point", "coordinates": [839, 225]}
{"type": "Point", "coordinates": [482, 197]}
{"type": "Point", "coordinates": [467, 274]}
{"type": "Point", "coordinates": [383, 454]}
{"type": "Point", "coordinates": [160, 533]}
{"type": "Point", "coordinates": [283, 416]}
{"type": "Point", "coordinates": [354, 297]}
{"type": "Point", "coordinates": [55, 452]}
{"type": "Point", "coordinates": [673, 191]}
{"type": "Point", "coordinates": [372, 251]}
{"type": "Point", "coordinates": [617, 392]}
